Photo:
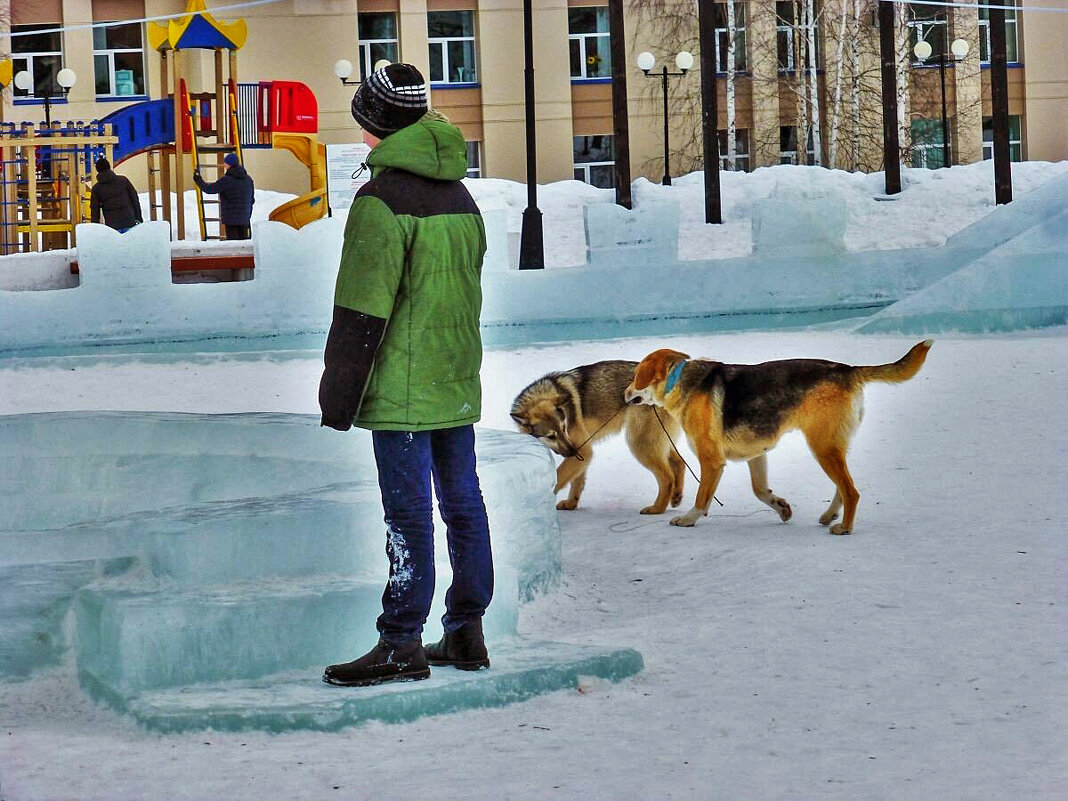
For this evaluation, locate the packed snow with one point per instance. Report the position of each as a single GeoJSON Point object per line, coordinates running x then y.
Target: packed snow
{"type": "Point", "coordinates": [922, 657]}
{"type": "Point", "coordinates": [925, 656]}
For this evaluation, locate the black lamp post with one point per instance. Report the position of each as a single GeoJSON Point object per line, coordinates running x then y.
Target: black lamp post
{"type": "Point", "coordinates": [66, 79]}
{"type": "Point", "coordinates": [531, 237]}
{"type": "Point", "coordinates": [958, 50]}
{"type": "Point", "coordinates": [683, 61]}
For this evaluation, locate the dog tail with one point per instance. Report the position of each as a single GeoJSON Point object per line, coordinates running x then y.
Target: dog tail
{"type": "Point", "coordinates": [901, 370]}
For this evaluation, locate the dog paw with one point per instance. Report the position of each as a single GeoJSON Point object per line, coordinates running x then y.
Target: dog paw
{"type": "Point", "coordinates": [676, 500]}
{"type": "Point", "coordinates": [827, 517]}
{"type": "Point", "coordinates": [783, 508]}
{"type": "Point", "coordinates": [839, 528]}
{"type": "Point", "coordinates": [566, 505]}
{"type": "Point", "coordinates": [652, 509]}
{"type": "Point", "coordinates": [683, 520]}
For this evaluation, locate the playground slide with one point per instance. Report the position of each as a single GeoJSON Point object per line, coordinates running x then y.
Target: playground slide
{"type": "Point", "coordinates": [313, 205]}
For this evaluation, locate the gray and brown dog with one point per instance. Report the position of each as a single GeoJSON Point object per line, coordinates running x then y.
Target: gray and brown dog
{"type": "Point", "coordinates": [739, 412]}
{"type": "Point", "coordinates": [569, 411]}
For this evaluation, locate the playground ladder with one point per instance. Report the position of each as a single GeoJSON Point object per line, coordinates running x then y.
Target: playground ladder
{"type": "Point", "coordinates": [234, 146]}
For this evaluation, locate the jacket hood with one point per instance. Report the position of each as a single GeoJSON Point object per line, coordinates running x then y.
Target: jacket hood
{"type": "Point", "coordinates": [104, 177]}
{"type": "Point", "coordinates": [431, 147]}
{"type": "Point", "coordinates": [237, 171]}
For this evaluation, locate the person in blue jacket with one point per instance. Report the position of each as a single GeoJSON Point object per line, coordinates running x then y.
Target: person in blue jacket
{"type": "Point", "coordinates": [237, 194]}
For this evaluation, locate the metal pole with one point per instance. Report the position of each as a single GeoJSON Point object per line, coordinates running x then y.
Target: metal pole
{"type": "Point", "coordinates": [945, 119]}
{"type": "Point", "coordinates": [709, 110]}
{"type": "Point", "coordinates": [531, 241]}
{"type": "Point", "coordinates": [999, 96]}
{"type": "Point", "coordinates": [888, 60]}
{"type": "Point", "coordinates": [620, 115]}
{"type": "Point", "coordinates": [48, 110]}
{"type": "Point", "coordinates": [667, 168]}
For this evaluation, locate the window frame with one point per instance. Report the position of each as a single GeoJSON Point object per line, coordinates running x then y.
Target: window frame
{"type": "Point", "coordinates": [31, 96]}
{"type": "Point", "coordinates": [984, 34]}
{"type": "Point", "coordinates": [924, 149]}
{"type": "Point", "coordinates": [790, 156]}
{"type": "Point", "coordinates": [920, 29]}
{"type": "Point", "coordinates": [581, 39]}
{"type": "Point", "coordinates": [741, 158]}
{"type": "Point", "coordinates": [364, 45]}
{"type": "Point", "coordinates": [739, 44]}
{"type": "Point", "coordinates": [988, 144]}
{"type": "Point", "coordinates": [110, 53]}
{"type": "Point", "coordinates": [585, 166]}
{"type": "Point", "coordinates": [476, 170]}
{"type": "Point", "coordinates": [444, 42]}
{"type": "Point", "coordinates": [789, 27]}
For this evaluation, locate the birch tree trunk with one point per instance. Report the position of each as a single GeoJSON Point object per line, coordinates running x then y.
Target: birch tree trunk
{"type": "Point", "coordinates": [836, 108]}
{"type": "Point", "coordinates": [799, 84]}
{"type": "Point", "coordinates": [854, 93]}
{"type": "Point", "coordinates": [903, 60]}
{"type": "Point", "coordinates": [732, 32]}
{"type": "Point", "coordinates": [813, 82]}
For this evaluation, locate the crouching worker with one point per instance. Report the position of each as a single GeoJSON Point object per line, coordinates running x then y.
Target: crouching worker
{"type": "Point", "coordinates": [402, 359]}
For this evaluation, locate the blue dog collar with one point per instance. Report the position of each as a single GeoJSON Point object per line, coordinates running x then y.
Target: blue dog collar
{"type": "Point", "coordinates": [674, 376]}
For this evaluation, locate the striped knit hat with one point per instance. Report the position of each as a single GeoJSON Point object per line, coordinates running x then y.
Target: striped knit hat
{"type": "Point", "coordinates": [391, 98]}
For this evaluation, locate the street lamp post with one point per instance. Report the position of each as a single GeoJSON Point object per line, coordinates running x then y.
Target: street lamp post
{"type": "Point", "coordinates": [959, 49]}
{"type": "Point", "coordinates": [683, 61]}
{"type": "Point", "coordinates": [343, 69]}
{"type": "Point", "coordinates": [66, 78]}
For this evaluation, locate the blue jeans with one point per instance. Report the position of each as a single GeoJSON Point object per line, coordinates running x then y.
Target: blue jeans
{"type": "Point", "coordinates": [407, 461]}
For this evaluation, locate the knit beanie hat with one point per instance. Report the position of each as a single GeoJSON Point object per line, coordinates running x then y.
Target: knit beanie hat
{"type": "Point", "coordinates": [391, 98]}
{"type": "Point", "coordinates": [231, 159]}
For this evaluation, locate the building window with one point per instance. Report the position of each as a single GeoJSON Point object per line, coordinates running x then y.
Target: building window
{"type": "Point", "coordinates": [1011, 43]}
{"type": "Point", "coordinates": [741, 150]}
{"type": "Point", "coordinates": [40, 54]}
{"type": "Point", "coordinates": [590, 42]}
{"type": "Point", "coordinates": [723, 37]}
{"type": "Point", "coordinates": [791, 37]}
{"type": "Point", "coordinates": [595, 161]}
{"type": "Point", "coordinates": [119, 60]}
{"type": "Point", "coordinates": [788, 146]}
{"type": "Point", "coordinates": [928, 24]}
{"type": "Point", "coordinates": [927, 151]}
{"type": "Point", "coordinates": [1015, 138]}
{"type": "Point", "coordinates": [452, 46]}
{"type": "Point", "coordinates": [474, 159]}
{"type": "Point", "coordinates": [378, 40]}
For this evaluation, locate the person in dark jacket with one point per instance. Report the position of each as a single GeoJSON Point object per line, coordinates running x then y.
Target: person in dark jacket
{"type": "Point", "coordinates": [237, 194]}
{"type": "Point", "coordinates": [402, 359]}
{"type": "Point", "coordinates": [115, 197]}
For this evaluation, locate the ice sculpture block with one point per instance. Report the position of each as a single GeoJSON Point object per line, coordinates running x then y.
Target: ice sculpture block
{"type": "Point", "coordinates": [1020, 284]}
{"type": "Point", "coordinates": [642, 237]}
{"type": "Point", "coordinates": [198, 549]}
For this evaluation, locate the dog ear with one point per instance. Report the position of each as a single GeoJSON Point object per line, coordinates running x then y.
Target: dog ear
{"type": "Point", "coordinates": [521, 420]}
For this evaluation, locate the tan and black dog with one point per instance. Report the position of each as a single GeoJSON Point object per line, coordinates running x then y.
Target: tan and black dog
{"type": "Point", "coordinates": [739, 412]}
{"type": "Point", "coordinates": [571, 410]}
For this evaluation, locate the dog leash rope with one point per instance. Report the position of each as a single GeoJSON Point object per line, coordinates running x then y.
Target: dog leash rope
{"type": "Point", "coordinates": [578, 455]}
{"type": "Point", "coordinates": [696, 477]}
{"type": "Point", "coordinates": [617, 527]}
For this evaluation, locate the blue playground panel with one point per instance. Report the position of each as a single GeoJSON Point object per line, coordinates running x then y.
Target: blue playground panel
{"type": "Point", "coordinates": [140, 127]}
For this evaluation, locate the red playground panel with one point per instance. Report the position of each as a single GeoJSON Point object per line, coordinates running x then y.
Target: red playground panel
{"type": "Point", "coordinates": [291, 108]}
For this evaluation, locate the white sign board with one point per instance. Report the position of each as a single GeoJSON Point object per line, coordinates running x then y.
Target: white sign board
{"type": "Point", "coordinates": [345, 173]}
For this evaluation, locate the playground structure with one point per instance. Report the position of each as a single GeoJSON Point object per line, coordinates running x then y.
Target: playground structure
{"type": "Point", "coordinates": [43, 205]}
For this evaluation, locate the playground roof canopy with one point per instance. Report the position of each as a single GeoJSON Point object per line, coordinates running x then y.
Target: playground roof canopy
{"type": "Point", "coordinates": [197, 30]}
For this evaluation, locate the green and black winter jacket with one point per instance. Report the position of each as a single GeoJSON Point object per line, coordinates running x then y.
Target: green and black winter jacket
{"type": "Point", "coordinates": [404, 348]}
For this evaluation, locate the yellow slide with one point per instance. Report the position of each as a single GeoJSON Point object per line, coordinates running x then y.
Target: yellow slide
{"type": "Point", "coordinates": [311, 206]}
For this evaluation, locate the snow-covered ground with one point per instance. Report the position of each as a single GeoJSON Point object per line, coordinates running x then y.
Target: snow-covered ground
{"type": "Point", "coordinates": [924, 657]}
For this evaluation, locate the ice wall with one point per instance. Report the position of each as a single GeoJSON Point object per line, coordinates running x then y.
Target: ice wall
{"type": "Point", "coordinates": [633, 283]}
{"type": "Point", "coordinates": [1020, 283]}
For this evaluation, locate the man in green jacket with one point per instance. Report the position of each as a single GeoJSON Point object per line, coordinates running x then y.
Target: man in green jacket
{"type": "Point", "coordinates": [402, 359]}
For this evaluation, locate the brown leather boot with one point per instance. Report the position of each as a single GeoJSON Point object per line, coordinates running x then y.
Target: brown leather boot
{"type": "Point", "coordinates": [464, 648]}
{"type": "Point", "coordinates": [385, 662]}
